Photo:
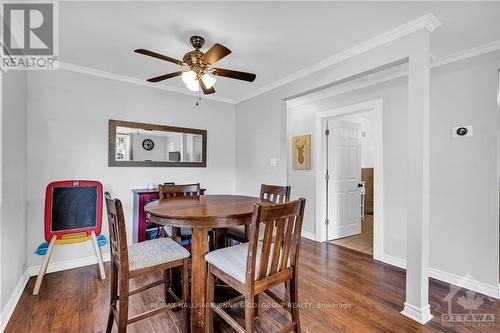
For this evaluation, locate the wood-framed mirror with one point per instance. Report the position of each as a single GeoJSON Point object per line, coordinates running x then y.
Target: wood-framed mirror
{"type": "Point", "coordinates": [134, 144]}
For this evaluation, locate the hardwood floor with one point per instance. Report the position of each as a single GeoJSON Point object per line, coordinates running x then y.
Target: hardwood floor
{"type": "Point", "coordinates": [340, 291]}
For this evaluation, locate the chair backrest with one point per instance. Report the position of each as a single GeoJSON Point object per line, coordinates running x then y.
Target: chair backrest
{"type": "Point", "coordinates": [274, 193]}
{"type": "Point", "coordinates": [172, 191]}
{"type": "Point", "coordinates": [282, 225]}
{"type": "Point", "coordinates": [117, 233]}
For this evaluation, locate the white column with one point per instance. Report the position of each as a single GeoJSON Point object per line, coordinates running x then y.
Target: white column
{"type": "Point", "coordinates": [417, 237]}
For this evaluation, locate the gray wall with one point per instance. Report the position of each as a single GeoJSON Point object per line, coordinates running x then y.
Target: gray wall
{"type": "Point", "coordinates": [68, 139]}
{"type": "Point", "coordinates": [260, 126]}
{"type": "Point", "coordinates": [13, 184]}
{"type": "Point", "coordinates": [464, 187]}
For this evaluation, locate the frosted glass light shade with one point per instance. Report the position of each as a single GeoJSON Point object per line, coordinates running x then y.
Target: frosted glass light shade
{"type": "Point", "coordinates": [194, 86]}
{"type": "Point", "coordinates": [208, 80]}
{"type": "Point", "coordinates": [189, 77]}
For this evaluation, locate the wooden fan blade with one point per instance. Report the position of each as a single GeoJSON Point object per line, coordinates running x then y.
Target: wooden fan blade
{"type": "Point", "coordinates": [160, 56]}
{"type": "Point", "coordinates": [165, 76]}
{"type": "Point", "coordinates": [234, 74]}
{"type": "Point", "coordinates": [216, 53]}
{"type": "Point", "coordinates": [206, 90]}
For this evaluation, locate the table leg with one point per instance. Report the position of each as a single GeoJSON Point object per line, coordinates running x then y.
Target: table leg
{"type": "Point", "coordinates": [199, 248]}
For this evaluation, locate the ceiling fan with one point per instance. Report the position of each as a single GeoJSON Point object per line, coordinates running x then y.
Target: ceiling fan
{"type": "Point", "coordinates": [200, 66]}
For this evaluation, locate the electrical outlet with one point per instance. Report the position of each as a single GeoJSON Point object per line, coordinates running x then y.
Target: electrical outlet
{"type": "Point", "coordinates": [273, 162]}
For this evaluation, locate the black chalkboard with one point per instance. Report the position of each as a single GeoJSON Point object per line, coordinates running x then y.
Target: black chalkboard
{"type": "Point", "coordinates": [74, 207]}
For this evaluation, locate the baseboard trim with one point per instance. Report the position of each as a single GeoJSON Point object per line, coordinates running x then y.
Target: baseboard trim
{"type": "Point", "coordinates": [420, 315]}
{"type": "Point", "coordinates": [394, 261]}
{"type": "Point", "coordinates": [308, 235]}
{"type": "Point", "coordinates": [466, 282]}
{"type": "Point", "coordinates": [13, 300]}
{"type": "Point", "coordinates": [67, 264]}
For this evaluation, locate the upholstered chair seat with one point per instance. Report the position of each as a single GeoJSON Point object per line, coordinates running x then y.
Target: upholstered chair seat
{"type": "Point", "coordinates": [155, 252]}
{"type": "Point", "coordinates": [233, 260]}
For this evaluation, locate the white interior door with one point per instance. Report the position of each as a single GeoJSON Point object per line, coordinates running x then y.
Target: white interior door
{"type": "Point", "coordinates": [344, 169]}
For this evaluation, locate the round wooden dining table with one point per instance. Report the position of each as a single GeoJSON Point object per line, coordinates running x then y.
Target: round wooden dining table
{"type": "Point", "coordinates": [201, 213]}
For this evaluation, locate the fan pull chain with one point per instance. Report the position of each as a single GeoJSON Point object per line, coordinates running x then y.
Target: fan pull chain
{"type": "Point", "coordinates": [198, 98]}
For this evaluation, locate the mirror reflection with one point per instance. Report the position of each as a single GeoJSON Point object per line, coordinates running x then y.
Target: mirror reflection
{"type": "Point", "coordinates": [135, 144]}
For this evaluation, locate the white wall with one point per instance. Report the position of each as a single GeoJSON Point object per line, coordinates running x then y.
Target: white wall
{"type": "Point", "coordinates": [13, 185]}
{"type": "Point", "coordinates": [68, 139]}
{"type": "Point", "coordinates": [464, 195]}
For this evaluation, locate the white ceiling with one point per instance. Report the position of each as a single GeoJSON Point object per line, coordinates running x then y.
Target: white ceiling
{"type": "Point", "coordinates": [271, 39]}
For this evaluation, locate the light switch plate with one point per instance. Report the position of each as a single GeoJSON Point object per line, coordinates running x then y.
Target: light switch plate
{"type": "Point", "coordinates": [273, 162]}
{"type": "Point", "coordinates": [462, 131]}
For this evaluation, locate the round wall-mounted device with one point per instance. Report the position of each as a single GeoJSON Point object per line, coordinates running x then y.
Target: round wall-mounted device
{"type": "Point", "coordinates": [462, 131]}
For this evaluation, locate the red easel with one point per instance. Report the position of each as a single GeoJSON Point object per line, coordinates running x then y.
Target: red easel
{"type": "Point", "coordinates": [73, 234]}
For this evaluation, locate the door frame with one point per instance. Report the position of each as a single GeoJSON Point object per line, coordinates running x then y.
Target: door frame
{"type": "Point", "coordinates": [375, 106]}
{"type": "Point", "coordinates": [498, 166]}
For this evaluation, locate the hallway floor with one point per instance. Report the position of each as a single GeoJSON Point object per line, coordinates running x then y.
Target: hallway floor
{"type": "Point", "coordinates": [362, 242]}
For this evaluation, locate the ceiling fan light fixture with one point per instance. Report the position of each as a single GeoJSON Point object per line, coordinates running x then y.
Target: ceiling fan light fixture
{"type": "Point", "coordinates": [189, 78]}
{"type": "Point", "coordinates": [198, 73]}
{"type": "Point", "coordinates": [194, 86]}
{"type": "Point", "coordinates": [208, 80]}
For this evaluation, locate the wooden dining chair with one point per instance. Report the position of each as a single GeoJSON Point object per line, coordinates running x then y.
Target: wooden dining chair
{"type": "Point", "coordinates": [130, 261]}
{"type": "Point", "coordinates": [255, 267]}
{"type": "Point", "coordinates": [175, 191]}
{"type": "Point", "coordinates": [273, 193]}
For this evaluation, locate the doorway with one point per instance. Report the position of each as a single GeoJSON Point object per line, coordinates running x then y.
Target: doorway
{"type": "Point", "coordinates": [350, 153]}
{"type": "Point", "coordinates": [339, 169]}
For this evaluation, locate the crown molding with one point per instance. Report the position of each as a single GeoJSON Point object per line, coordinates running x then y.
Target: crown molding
{"type": "Point", "coordinates": [335, 91]}
{"type": "Point", "coordinates": [128, 79]}
{"type": "Point", "coordinates": [428, 21]}
{"type": "Point", "coordinates": [462, 55]}
{"type": "Point", "coordinates": [465, 54]}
